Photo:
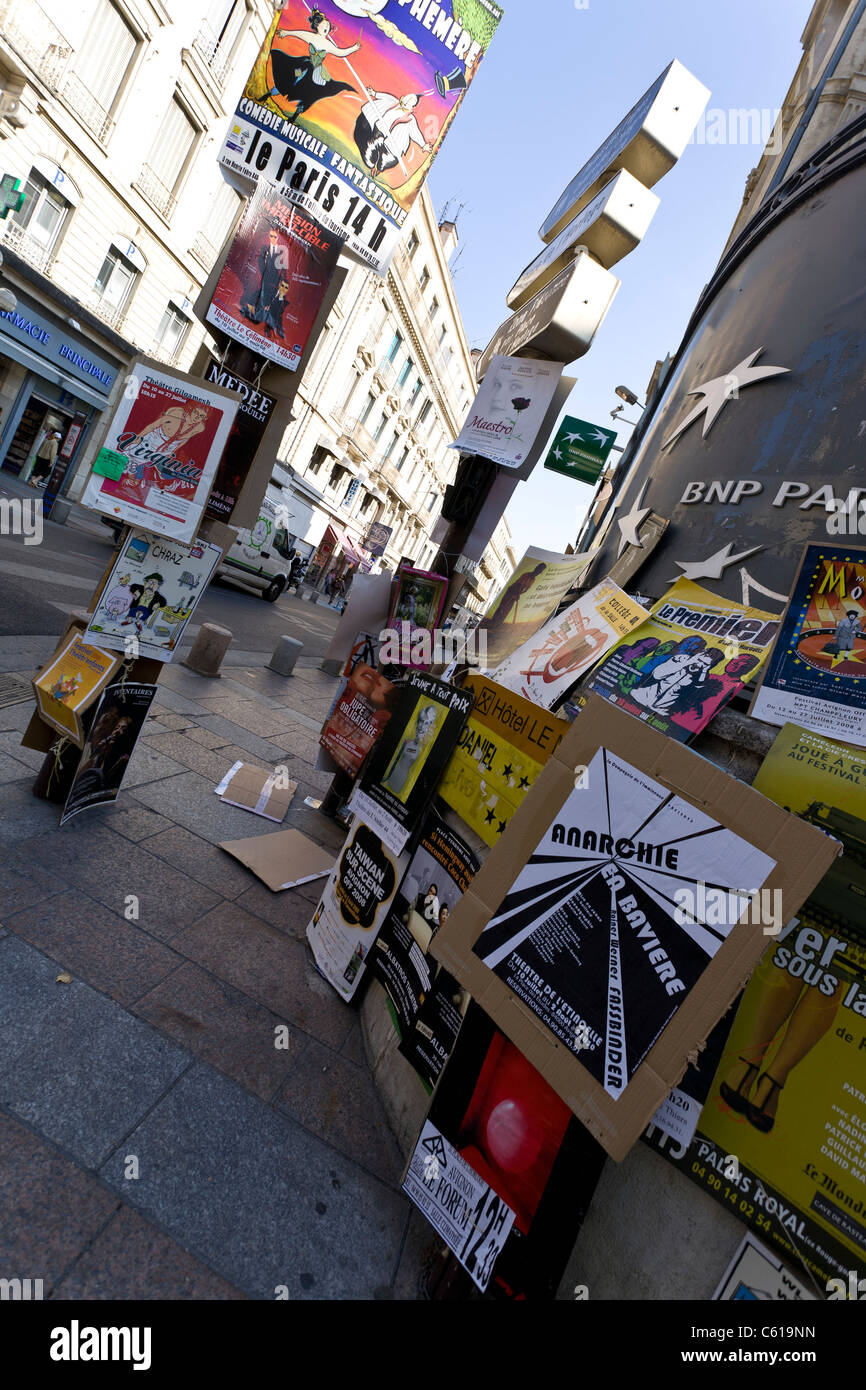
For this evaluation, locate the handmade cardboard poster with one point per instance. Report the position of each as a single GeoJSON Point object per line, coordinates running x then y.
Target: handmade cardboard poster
{"type": "Point", "coordinates": [361, 714]}
{"type": "Point", "coordinates": [816, 674]}
{"type": "Point", "coordinates": [691, 656]}
{"type": "Point", "coordinates": [169, 430]}
{"type": "Point", "coordinates": [348, 103]}
{"type": "Point", "coordinates": [509, 409]}
{"type": "Point", "coordinates": [531, 596]}
{"type": "Point", "coordinates": [502, 748]}
{"type": "Point", "coordinates": [116, 728]}
{"type": "Point", "coordinates": [548, 664]}
{"type": "Point", "coordinates": [274, 278]}
{"type": "Point", "coordinates": [70, 683]}
{"type": "Point", "coordinates": [151, 594]}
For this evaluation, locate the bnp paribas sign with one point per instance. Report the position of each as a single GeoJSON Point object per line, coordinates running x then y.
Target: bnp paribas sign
{"type": "Point", "coordinates": [580, 450]}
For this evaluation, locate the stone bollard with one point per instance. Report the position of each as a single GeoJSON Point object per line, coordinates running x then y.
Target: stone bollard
{"type": "Point", "coordinates": [207, 651]}
{"type": "Point", "coordinates": [286, 653]}
{"type": "Point", "coordinates": [60, 511]}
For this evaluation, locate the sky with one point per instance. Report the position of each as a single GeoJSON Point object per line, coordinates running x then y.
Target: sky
{"type": "Point", "coordinates": [545, 96]}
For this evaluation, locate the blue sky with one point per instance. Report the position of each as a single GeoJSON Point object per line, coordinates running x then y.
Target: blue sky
{"type": "Point", "coordinates": [545, 96]}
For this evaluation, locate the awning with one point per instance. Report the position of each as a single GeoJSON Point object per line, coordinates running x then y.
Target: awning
{"type": "Point", "coordinates": [355, 552]}
{"type": "Point", "coordinates": [41, 367]}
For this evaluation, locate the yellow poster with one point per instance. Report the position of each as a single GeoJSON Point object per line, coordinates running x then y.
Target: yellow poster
{"type": "Point", "coordinates": [70, 683]}
{"type": "Point", "coordinates": [531, 596]}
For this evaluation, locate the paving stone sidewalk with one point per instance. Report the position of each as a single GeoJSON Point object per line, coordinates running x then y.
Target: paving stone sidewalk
{"type": "Point", "coordinates": [154, 1143]}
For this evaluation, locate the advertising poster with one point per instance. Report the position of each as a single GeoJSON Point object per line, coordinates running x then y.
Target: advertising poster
{"type": "Point", "coordinates": [151, 594]}
{"type": "Point", "coordinates": [501, 750]}
{"type": "Point", "coordinates": [169, 431]}
{"type": "Point", "coordinates": [405, 767]}
{"type": "Point", "coordinates": [545, 667]}
{"type": "Point", "coordinates": [816, 675]}
{"type": "Point", "coordinates": [352, 908]}
{"type": "Point", "coordinates": [247, 433]}
{"type": "Point", "coordinates": [71, 681]}
{"type": "Point", "coordinates": [756, 1274]}
{"type": "Point", "coordinates": [502, 1170]}
{"type": "Point", "coordinates": [116, 727]}
{"type": "Point", "coordinates": [274, 279]}
{"type": "Point", "coordinates": [377, 538]}
{"type": "Point", "coordinates": [531, 596]}
{"type": "Point", "coordinates": [428, 1002]}
{"type": "Point", "coordinates": [415, 612]}
{"type": "Point", "coordinates": [359, 717]}
{"type": "Point", "coordinates": [509, 409]}
{"type": "Point", "coordinates": [347, 106]}
{"type": "Point", "coordinates": [692, 655]}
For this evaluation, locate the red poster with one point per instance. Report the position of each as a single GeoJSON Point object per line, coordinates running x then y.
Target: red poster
{"type": "Point", "coordinates": [360, 714]}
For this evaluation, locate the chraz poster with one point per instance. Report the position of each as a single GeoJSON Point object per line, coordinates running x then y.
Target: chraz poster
{"type": "Point", "coordinates": [247, 432]}
{"type": "Point", "coordinates": [353, 907]}
{"type": "Point", "coordinates": [428, 1002]}
{"type": "Point", "coordinates": [274, 279]}
{"type": "Point", "coordinates": [545, 667]}
{"type": "Point", "coordinates": [502, 748]}
{"type": "Point", "coordinates": [347, 106]}
{"type": "Point", "coordinates": [816, 675]}
{"type": "Point", "coordinates": [151, 594]}
{"type": "Point", "coordinates": [164, 442]}
{"type": "Point", "coordinates": [509, 409]}
{"type": "Point", "coordinates": [116, 727]}
{"type": "Point", "coordinates": [611, 923]}
{"type": "Point", "coordinates": [71, 681]}
{"type": "Point", "coordinates": [692, 655]}
{"type": "Point", "coordinates": [405, 767]}
{"type": "Point", "coordinates": [531, 596]}
{"type": "Point", "coordinates": [502, 1170]}
{"type": "Point", "coordinates": [359, 717]}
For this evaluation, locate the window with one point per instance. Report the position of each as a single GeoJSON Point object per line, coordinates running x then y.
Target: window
{"type": "Point", "coordinates": [390, 449]}
{"type": "Point", "coordinates": [442, 332]}
{"type": "Point", "coordinates": [103, 61]}
{"type": "Point", "coordinates": [44, 211]}
{"type": "Point", "coordinates": [219, 33]}
{"type": "Point", "coordinates": [424, 279]}
{"type": "Point", "coordinates": [368, 408]}
{"type": "Point", "coordinates": [115, 280]}
{"type": "Point", "coordinates": [336, 474]}
{"type": "Point", "coordinates": [380, 429]}
{"type": "Point", "coordinates": [431, 501]}
{"type": "Point", "coordinates": [412, 244]}
{"type": "Point", "coordinates": [402, 459]}
{"type": "Point", "coordinates": [423, 413]}
{"type": "Point", "coordinates": [406, 372]}
{"type": "Point", "coordinates": [170, 153]}
{"type": "Point", "coordinates": [318, 458]}
{"type": "Point", "coordinates": [416, 392]}
{"type": "Point", "coordinates": [172, 331]}
{"type": "Point", "coordinates": [394, 349]}
{"type": "Point", "coordinates": [354, 378]}
{"type": "Point", "coordinates": [434, 308]}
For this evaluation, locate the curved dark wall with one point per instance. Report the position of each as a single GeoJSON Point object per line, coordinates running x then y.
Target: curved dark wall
{"type": "Point", "coordinates": [799, 293]}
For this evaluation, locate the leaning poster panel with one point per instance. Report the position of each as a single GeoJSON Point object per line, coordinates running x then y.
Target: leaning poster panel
{"type": "Point", "coordinates": [347, 106]}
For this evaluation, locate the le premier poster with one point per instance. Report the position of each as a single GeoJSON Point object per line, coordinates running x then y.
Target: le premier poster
{"type": "Point", "coordinates": [170, 432]}
{"type": "Point", "coordinates": [348, 103]}
{"type": "Point", "coordinates": [274, 279]}
{"type": "Point", "coordinates": [816, 674]}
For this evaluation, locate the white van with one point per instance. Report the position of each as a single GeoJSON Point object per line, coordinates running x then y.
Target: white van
{"type": "Point", "coordinates": [262, 556]}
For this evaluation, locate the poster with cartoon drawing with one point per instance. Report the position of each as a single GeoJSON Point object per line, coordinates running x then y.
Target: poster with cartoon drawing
{"type": "Point", "coordinates": [151, 594]}
{"type": "Point", "coordinates": [347, 106]}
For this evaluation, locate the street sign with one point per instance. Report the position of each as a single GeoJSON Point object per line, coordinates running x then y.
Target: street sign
{"type": "Point", "coordinates": [609, 227]}
{"type": "Point", "coordinates": [11, 198]}
{"type": "Point", "coordinates": [377, 538]}
{"type": "Point", "coordinates": [580, 450]}
{"type": "Point", "coordinates": [560, 322]}
{"type": "Point", "coordinates": [647, 142]}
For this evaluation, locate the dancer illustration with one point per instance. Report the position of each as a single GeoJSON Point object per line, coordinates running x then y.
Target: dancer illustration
{"type": "Point", "coordinates": [385, 129]}
{"type": "Point", "coordinates": [306, 79]}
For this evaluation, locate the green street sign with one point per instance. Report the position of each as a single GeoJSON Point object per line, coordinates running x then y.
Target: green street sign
{"type": "Point", "coordinates": [11, 199]}
{"type": "Point", "coordinates": [580, 450]}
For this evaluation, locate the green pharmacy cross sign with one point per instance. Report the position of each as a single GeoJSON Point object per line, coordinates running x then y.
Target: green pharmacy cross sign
{"type": "Point", "coordinates": [11, 198]}
{"type": "Point", "coordinates": [580, 450]}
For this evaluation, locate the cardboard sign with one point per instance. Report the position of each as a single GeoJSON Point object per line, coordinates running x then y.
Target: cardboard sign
{"type": "Point", "coordinates": [282, 860]}
{"type": "Point", "coordinates": [585, 935]}
{"type": "Point", "coordinates": [268, 794]}
{"type": "Point", "coordinates": [74, 677]}
{"type": "Point", "coordinates": [507, 413]}
{"type": "Point", "coordinates": [116, 729]}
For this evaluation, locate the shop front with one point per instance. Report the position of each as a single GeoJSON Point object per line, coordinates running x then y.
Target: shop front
{"type": "Point", "coordinates": [51, 379]}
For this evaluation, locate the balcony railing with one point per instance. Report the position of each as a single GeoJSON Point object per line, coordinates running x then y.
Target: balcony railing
{"type": "Point", "coordinates": [27, 29]}
{"type": "Point", "coordinates": [359, 435]}
{"type": "Point", "coordinates": [158, 194]}
{"type": "Point", "coordinates": [204, 251]}
{"type": "Point", "coordinates": [27, 247]}
{"type": "Point", "coordinates": [387, 374]}
{"type": "Point", "coordinates": [109, 313]}
{"type": "Point", "coordinates": [215, 56]}
{"type": "Point", "coordinates": [397, 483]}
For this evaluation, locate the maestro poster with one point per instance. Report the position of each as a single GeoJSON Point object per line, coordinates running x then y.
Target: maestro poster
{"type": "Point", "coordinates": [531, 596]}
{"type": "Point", "coordinates": [509, 409]}
{"type": "Point", "coordinates": [274, 279]}
{"type": "Point", "coordinates": [168, 431]}
{"type": "Point", "coordinates": [692, 655]}
{"type": "Point", "coordinates": [347, 106]}
{"type": "Point", "coordinates": [816, 674]}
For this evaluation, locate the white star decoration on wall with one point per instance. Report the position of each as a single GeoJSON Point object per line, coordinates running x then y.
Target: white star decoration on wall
{"type": "Point", "coordinates": [720, 390]}
{"type": "Point", "coordinates": [715, 565]}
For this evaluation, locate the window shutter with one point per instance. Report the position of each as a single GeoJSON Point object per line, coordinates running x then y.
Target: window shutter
{"type": "Point", "coordinates": [105, 55]}
{"type": "Point", "coordinates": [172, 145]}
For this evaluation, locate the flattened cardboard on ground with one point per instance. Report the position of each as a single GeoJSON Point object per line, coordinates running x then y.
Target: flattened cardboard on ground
{"type": "Point", "coordinates": [255, 789]}
{"type": "Point", "coordinates": [281, 860]}
{"type": "Point", "coordinates": [801, 856]}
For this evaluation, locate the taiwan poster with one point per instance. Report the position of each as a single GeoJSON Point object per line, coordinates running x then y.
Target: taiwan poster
{"type": "Point", "coordinates": [361, 714]}
{"type": "Point", "coordinates": [548, 665]}
{"type": "Point", "coordinates": [347, 106]}
{"type": "Point", "coordinates": [694, 653]}
{"type": "Point", "coordinates": [274, 279]}
{"type": "Point", "coordinates": [531, 596]}
{"type": "Point", "coordinates": [71, 681]}
{"type": "Point", "coordinates": [404, 769]}
{"type": "Point", "coordinates": [162, 447]}
{"type": "Point", "coordinates": [352, 908]}
{"type": "Point", "coordinates": [502, 1170]}
{"type": "Point", "coordinates": [151, 594]}
{"type": "Point", "coordinates": [247, 432]}
{"type": "Point", "coordinates": [116, 728]}
{"type": "Point", "coordinates": [428, 1002]}
{"type": "Point", "coordinates": [501, 750]}
{"type": "Point", "coordinates": [816, 675]}
{"type": "Point", "coordinates": [509, 409]}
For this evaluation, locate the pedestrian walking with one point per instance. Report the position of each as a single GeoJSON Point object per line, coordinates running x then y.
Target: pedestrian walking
{"type": "Point", "coordinates": [46, 457]}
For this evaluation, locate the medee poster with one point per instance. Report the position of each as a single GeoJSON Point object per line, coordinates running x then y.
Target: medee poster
{"type": "Point", "coordinates": [816, 675]}
{"type": "Point", "coordinates": [170, 431]}
{"type": "Point", "coordinates": [247, 432]}
{"type": "Point", "coordinates": [274, 279]}
{"type": "Point", "coordinates": [347, 106]}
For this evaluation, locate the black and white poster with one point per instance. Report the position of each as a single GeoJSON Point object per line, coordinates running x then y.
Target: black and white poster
{"type": "Point", "coordinates": [626, 899]}
{"type": "Point", "coordinates": [116, 728]}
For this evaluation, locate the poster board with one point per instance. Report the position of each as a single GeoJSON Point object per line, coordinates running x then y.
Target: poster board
{"type": "Point", "coordinates": [621, 790]}
{"type": "Point", "coordinates": [507, 414]}
{"type": "Point", "coordinates": [68, 685]}
{"type": "Point", "coordinates": [531, 596]}
{"type": "Point", "coordinates": [116, 729]}
{"type": "Point", "coordinates": [362, 711]}
{"type": "Point", "coordinates": [247, 432]}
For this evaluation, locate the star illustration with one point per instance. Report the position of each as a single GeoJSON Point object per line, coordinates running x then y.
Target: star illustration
{"type": "Point", "coordinates": [628, 525]}
{"type": "Point", "coordinates": [720, 390]}
{"type": "Point", "coordinates": [501, 826]}
{"type": "Point", "coordinates": [524, 783]}
{"type": "Point", "coordinates": [715, 565]}
{"type": "Point", "coordinates": [507, 770]}
{"type": "Point", "coordinates": [600, 436]}
{"type": "Point", "coordinates": [570, 438]}
{"type": "Point", "coordinates": [557, 454]}
{"type": "Point", "coordinates": [489, 818]}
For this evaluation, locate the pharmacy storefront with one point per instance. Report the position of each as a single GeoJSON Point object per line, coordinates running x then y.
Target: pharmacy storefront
{"type": "Point", "coordinates": [51, 378]}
